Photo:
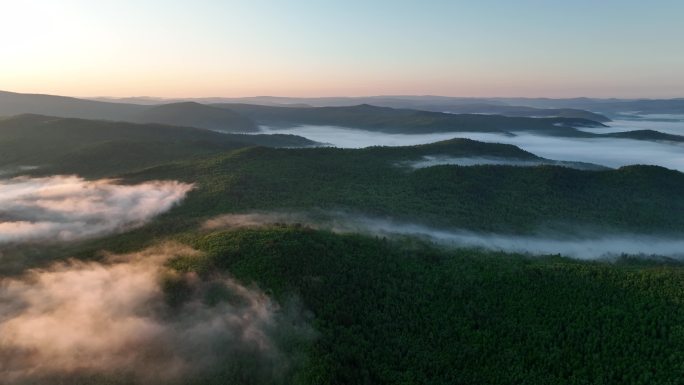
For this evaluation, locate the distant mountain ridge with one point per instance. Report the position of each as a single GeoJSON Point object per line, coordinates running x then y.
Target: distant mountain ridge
{"type": "Point", "coordinates": [609, 106]}
{"type": "Point", "coordinates": [440, 114]}
{"type": "Point", "coordinates": [180, 114]}
{"type": "Point", "coordinates": [519, 111]}
{"type": "Point", "coordinates": [405, 121]}
{"type": "Point", "coordinates": [193, 114]}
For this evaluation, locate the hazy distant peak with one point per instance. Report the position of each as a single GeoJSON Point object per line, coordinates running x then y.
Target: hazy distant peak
{"type": "Point", "coordinates": [194, 114]}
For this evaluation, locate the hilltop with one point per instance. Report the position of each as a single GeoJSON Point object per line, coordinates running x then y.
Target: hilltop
{"type": "Point", "coordinates": [193, 114]}
{"type": "Point", "coordinates": [372, 181]}
{"type": "Point", "coordinates": [93, 147]}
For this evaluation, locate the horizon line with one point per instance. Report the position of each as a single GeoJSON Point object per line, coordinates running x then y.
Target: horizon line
{"type": "Point", "coordinates": [341, 96]}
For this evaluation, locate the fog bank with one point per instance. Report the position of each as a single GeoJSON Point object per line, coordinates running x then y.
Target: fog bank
{"type": "Point", "coordinates": [14, 170]}
{"type": "Point", "coordinates": [587, 246]}
{"type": "Point", "coordinates": [608, 152]}
{"type": "Point", "coordinates": [578, 245]}
{"type": "Point", "coordinates": [667, 123]}
{"type": "Point", "coordinates": [66, 208]}
{"type": "Point", "coordinates": [356, 138]}
{"type": "Point", "coordinates": [436, 160]}
{"type": "Point", "coordinates": [112, 320]}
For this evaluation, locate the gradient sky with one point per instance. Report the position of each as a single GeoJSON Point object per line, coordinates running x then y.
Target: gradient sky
{"type": "Point", "coordinates": [606, 48]}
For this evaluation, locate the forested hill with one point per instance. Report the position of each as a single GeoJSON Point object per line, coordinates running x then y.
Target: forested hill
{"type": "Point", "coordinates": [103, 148]}
{"type": "Point", "coordinates": [197, 115]}
{"type": "Point", "coordinates": [458, 147]}
{"type": "Point", "coordinates": [405, 121]}
{"type": "Point", "coordinates": [490, 198]}
{"type": "Point", "coordinates": [391, 313]}
{"type": "Point", "coordinates": [397, 311]}
{"type": "Point", "coordinates": [646, 135]}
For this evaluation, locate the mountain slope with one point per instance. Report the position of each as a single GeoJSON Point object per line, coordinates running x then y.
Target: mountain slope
{"type": "Point", "coordinates": [103, 147]}
{"type": "Point", "coordinates": [489, 198]}
{"type": "Point", "coordinates": [646, 135]}
{"type": "Point", "coordinates": [12, 103]}
{"type": "Point", "coordinates": [197, 115]}
{"type": "Point", "coordinates": [424, 316]}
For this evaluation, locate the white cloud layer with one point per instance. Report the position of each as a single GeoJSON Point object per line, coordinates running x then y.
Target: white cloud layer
{"type": "Point", "coordinates": [65, 208]}
{"type": "Point", "coordinates": [609, 152]}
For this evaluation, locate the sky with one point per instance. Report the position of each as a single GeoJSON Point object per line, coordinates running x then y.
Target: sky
{"type": "Point", "coordinates": [171, 48]}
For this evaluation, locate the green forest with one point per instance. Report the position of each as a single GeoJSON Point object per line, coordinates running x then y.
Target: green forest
{"type": "Point", "coordinates": [400, 312]}
{"type": "Point", "coordinates": [372, 181]}
{"type": "Point", "coordinates": [394, 310]}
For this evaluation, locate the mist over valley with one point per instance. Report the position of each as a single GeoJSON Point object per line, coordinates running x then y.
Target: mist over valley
{"type": "Point", "coordinates": [608, 152]}
{"type": "Point", "coordinates": [208, 255]}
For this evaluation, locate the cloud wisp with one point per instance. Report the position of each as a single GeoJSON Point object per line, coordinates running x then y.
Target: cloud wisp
{"type": "Point", "coordinates": [66, 208]}
{"type": "Point", "coordinates": [436, 160]}
{"type": "Point", "coordinates": [113, 320]}
{"type": "Point", "coordinates": [586, 247]}
{"type": "Point", "coordinates": [576, 245]}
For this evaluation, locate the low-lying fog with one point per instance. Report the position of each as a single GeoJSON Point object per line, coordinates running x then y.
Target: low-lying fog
{"type": "Point", "coordinates": [586, 246]}
{"type": "Point", "coordinates": [669, 124]}
{"type": "Point", "coordinates": [111, 321]}
{"type": "Point", "coordinates": [436, 160]}
{"type": "Point", "coordinates": [580, 247]}
{"type": "Point", "coordinates": [355, 138]}
{"type": "Point", "coordinates": [14, 170]}
{"type": "Point", "coordinates": [65, 208]}
{"type": "Point", "coordinates": [609, 152]}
